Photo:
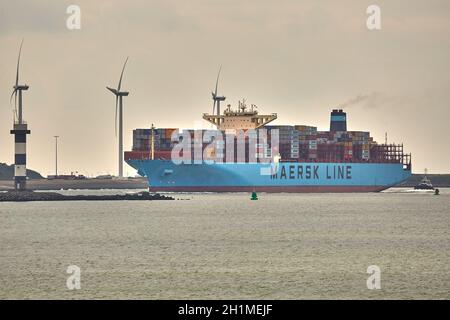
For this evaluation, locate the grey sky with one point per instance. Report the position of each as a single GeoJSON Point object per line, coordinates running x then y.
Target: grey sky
{"type": "Point", "coordinates": [296, 58]}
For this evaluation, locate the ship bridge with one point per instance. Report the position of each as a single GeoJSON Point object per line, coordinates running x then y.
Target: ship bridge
{"type": "Point", "coordinates": [242, 118]}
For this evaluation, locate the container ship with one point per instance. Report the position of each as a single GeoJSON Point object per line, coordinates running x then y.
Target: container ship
{"type": "Point", "coordinates": [243, 153]}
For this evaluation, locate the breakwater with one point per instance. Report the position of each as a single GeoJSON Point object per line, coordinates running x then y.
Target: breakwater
{"type": "Point", "coordinates": [25, 196]}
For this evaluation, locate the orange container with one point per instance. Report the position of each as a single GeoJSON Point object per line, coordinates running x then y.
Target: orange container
{"type": "Point", "coordinates": [168, 132]}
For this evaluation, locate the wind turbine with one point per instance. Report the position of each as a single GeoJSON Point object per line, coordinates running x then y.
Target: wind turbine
{"type": "Point", "coordinates": [18, 89]}
{"type": "Point", "coordinates": [119, 94]}
{"type": "Point", "coordinates": [20, 131]}
{"type": "Point", "coordinates": [215, 97]}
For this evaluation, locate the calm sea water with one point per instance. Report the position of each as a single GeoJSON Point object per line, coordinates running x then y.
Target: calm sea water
{"type": "Point", "coordinates": [225, 246]}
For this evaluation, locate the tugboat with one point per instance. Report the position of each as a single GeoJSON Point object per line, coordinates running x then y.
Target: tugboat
{"type": "Point", "coordinates": [425, 183]}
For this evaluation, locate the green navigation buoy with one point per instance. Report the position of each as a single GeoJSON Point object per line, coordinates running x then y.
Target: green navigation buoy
{"type": "Point", "coordinates": [436, 192]}
{"type": "Point", "coordinates": [254, 196]}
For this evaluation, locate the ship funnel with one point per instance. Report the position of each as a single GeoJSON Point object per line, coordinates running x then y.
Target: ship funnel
{"type": "Point", "coordinates": [338, 121]}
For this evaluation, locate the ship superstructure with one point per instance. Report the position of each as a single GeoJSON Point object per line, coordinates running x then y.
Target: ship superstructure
{"type": "Point", "coordinates": [242, 118]}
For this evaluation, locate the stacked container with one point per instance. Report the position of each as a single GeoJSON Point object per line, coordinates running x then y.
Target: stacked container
{"type": "Point", "coordinates": [296, 143]}
{"type": "Point", "coordinates": [365, 155]}
{"type": "Point", "coordinates": [285, 139]}
{"type": "Point", "coordinates": [305, 130]}
{"type": "Point", "coordinates": [348, 151]}
{"type": "Point", "coordinates": [312, 147]}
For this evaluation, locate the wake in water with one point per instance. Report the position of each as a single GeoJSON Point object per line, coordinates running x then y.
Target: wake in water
{"type": "Point", "coordinates": [408, 190]}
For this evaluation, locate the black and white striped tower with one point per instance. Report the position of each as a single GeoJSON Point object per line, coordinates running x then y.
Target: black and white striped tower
{"type": "Point", "coordinates": [20, 131]}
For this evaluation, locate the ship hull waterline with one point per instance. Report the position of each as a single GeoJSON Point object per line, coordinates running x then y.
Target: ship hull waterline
{"type": "Point", "coordinates": [286, 177]}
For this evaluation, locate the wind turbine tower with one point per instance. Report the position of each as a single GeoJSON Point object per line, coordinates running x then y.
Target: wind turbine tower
{"type": "Point", "coordinates": [20, 131]}
{"type": "Point", "coordinates": [119, 110]}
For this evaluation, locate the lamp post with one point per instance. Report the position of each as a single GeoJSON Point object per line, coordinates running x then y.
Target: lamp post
{"type": "Point", "coordinates": [56, 156]}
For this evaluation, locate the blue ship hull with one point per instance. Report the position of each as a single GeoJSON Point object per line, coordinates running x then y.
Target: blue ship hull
{"type": "Point", "coordinates": [164, 175]}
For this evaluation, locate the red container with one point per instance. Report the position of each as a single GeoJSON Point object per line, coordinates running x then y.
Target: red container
{"type": "Point", "coordinates": [136, 155]}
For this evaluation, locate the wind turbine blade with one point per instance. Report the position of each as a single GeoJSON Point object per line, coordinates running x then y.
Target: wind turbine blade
{"type": "Point", "coordinates": [112, 90]}
{"type": "Point", "coordinates": [115, 117]}
{"type": "Point", "coordinates": [121, 75]}
{"type": "Point", "coordinates": [13, 93]}
{"type": "Point", "coordinates": [15, 105]}
{"type": "Point", "coordinates": [214, 94]}
{"type": "Point", "coordinates": [217, 81]}
{"type": "Point", "coordinates": [18, 64]}
{"type": "Point", "coordinates": [214, 101]}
